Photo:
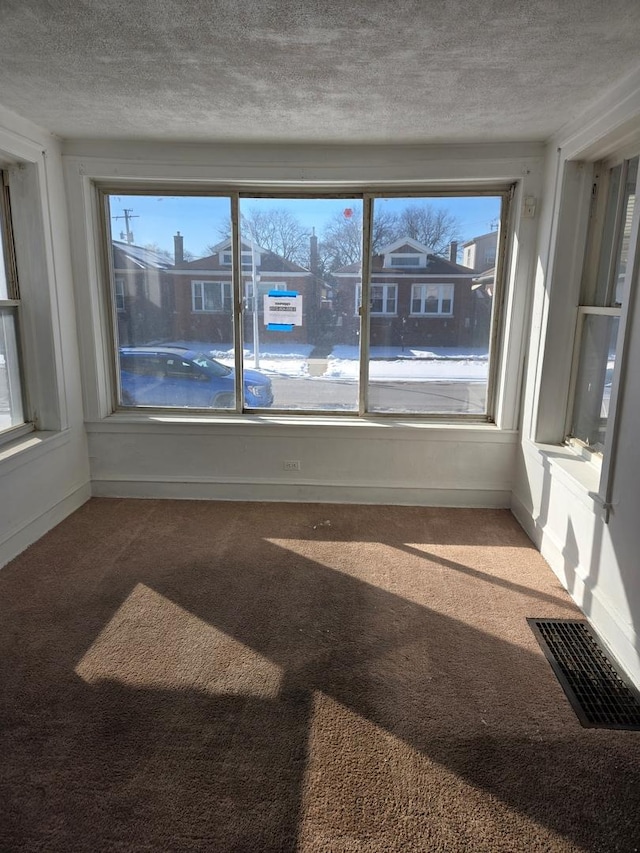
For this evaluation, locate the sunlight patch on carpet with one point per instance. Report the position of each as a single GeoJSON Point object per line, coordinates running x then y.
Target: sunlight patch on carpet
{"type": "Point", "coordinates": [151, 642]}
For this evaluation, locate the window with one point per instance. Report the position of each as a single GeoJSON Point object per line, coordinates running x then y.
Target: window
{"type": "Point", "coordinates": [263, 289]}
{"type": "Point", "coordinates": [432, 299]}
{"type": "Point", "coordinates": [247, 260]}
{"type": "Point", "coordinates": [407, 260]}
{"type": "Point", "coordinates": [383, 298]}
{"type": "Point", "coordinates": [347, 335]}
{"type": "Point", "coordinates": [120, 293]}
{"type": "Point", "coordinates": [11, 392]}
{"type": "Point", "coordinates": [213, 296]}
{"type": "Point", "coordinates": [604, 290]}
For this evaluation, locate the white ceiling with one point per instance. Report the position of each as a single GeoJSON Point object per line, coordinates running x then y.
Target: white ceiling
{"type": "Point", "coordinates": [312, 70]}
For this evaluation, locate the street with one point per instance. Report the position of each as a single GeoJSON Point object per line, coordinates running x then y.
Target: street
{"type": "Point", "coordinates": [439, 397]}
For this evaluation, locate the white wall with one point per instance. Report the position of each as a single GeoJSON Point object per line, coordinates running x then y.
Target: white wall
{"type": "Point", "coordinates": [557, 494]}
{"type": "Point", "coordinates": [43, 475]}
{"type": "Point", "coordinates": [343, 459]}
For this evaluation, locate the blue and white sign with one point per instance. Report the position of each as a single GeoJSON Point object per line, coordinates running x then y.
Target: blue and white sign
{"type": "Point", "coordinates": [282, 310]}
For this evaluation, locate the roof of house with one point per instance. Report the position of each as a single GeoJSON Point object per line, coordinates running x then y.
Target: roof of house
{"type": "Point", "coordinates": [269, 261]}
{"type": "Point", "coordinates": [126, 255]}
{"type": "Point", "coordinates": [477, 239]}
{"type": "Point", "coordinates": [436, 265]}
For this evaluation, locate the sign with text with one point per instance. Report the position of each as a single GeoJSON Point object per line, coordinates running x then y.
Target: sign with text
{"type": "Point", "coordinates": [283, 308]}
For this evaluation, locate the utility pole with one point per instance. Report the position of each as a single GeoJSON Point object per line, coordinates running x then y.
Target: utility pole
{"type": "Point", "coordinates": [127, 234]}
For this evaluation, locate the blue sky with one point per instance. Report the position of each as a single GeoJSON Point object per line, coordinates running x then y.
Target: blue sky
{"type": "Point", "coordinates": [155, 219]}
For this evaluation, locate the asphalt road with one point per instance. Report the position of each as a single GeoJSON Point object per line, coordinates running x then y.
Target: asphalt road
{"type": "Point", "coordinates": [340, 395]}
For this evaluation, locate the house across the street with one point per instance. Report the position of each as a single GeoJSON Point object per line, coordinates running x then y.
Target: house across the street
{"type": "Point", "coordinates": [417, 298]}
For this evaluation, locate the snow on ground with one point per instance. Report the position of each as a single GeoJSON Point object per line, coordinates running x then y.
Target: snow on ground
{"type": "Point", "coordinates": [447, 364]}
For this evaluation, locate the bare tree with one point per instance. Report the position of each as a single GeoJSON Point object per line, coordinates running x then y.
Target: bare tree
{"type": "Point", "coordinates": [276, 230]}
{"type": "Point", "coordinates": [341, 242]}
{"type": "Point", "coordinates": [432, 227]}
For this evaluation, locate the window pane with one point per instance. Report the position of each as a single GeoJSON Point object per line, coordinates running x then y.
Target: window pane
{"type": "Point", "coordinates": [172, 294]}
{"type": "Point", "coordinates": [625, 236]}
{"type": "Point", "coordinates": [595, 375]}
{"type": "Point", "coordinates": [310, 250]}
{"type": "Point", "coordinates": [11, 410]}
{"type": "Point", "coordinates": [429, 349]}
{"type": "Point", "coordinates": [4, 288]}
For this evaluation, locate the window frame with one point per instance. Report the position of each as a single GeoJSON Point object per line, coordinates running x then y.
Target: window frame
{"type": "Point", "coordinates": [504, 189]}
{"type": "Point", "coordinates": [120, 293]}
{"type": "Point", "coordinates": [439, 313]}
{"type": "Point", "coordinates": [12, 306]}
{"type": "Point", "coordinates": [226, 301]}
{"type": "Point", "coordinates": [421, 260]}
{"type": "Point", "coordinates": [384, 298]}
{"type": "Point", "coordinates": [601, 238]}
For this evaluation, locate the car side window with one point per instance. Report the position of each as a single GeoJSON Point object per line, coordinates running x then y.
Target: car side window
{"type": "Point", "coordinates": [179, 368]}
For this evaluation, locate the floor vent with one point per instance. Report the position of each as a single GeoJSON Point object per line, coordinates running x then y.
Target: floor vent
{"type": "Point", "coordinates": [600, 696]}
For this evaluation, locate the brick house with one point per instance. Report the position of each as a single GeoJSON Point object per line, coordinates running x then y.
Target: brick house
{"type": "Point", "coordinates": [417, 298]}
{"type": "Point", "coordinates": [158, 300]}
{"type": "Point", "coordinates": [203, 290]}
{"type": "Point", "coordinates": [143, 294]}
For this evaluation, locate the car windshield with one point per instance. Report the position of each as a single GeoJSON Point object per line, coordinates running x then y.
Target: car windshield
{"type": "Point", "coordinates": [212, 367]}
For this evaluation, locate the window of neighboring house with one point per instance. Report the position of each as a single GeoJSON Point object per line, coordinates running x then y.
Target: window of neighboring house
{"type": "Point", "coordinates": [11, 387]}
{"type": "Point", "coordinates": [211, 296]}
{"type": "Point", "coordinates": [263, 289]}
{"type": "Point", "coordinates": [407, 260]}
{"type": "Point", "coordinates": [246, 259]}
{"type": "Point", "coordinates": [119, 294]}
{"type": "Point", "coordinates": [432, 299]}
{"type": "Point", "coordinates": [383, 298]}
{"type": "Point", "coordinates": [605, 289]}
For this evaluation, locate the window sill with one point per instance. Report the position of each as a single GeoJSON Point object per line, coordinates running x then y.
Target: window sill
{"type": "Point", "coordinates": [29, 447]}
{"type": "Point", "coordinates": [257, 424]}
{"type": "Point", "coordinates": [577, 473]}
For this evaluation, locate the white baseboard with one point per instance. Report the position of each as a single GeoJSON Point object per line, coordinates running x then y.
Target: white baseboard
{"type": "Point", "coordinates": [621, 640]}
{"type": "Point", "coordinates": [301, 492]}
{"type": "Point", "coordinates": [18, 540]}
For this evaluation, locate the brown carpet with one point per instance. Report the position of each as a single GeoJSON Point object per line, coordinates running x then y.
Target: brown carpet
{"type": "Point", "coordinates": [193, 676]}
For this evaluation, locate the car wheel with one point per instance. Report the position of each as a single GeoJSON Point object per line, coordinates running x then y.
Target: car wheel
{"type": "Point", "coordinates": [223, 401]}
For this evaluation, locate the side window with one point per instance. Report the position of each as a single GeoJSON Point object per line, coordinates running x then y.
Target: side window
{"type": "Point", "coordinates": [604, 291]}
{"type": "Point", "coordinates": [178, 368]}
{"type": "Point", "coordinates": [11, 386]}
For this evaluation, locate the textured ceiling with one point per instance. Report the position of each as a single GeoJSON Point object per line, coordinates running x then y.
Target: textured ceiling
{"type": "Point", "coordinates": [313, 70]}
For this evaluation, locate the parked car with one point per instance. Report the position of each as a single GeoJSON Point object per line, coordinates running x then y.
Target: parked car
{"type": "Point", "coordinates": [178, 377]}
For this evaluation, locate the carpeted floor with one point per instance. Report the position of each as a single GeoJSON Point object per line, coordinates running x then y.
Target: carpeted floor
{"type": "Point", "coordinates": [193, 676]}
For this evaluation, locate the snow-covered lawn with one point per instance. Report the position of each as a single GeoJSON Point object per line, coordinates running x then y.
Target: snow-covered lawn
{"type": "Point", "coordinates": [447, 364]}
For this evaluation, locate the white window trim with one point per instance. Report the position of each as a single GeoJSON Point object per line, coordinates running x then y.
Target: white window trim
{"type": "Point", "coordinates": [11, 306]}
{"type": "Point", "coordinates": [119, 293]}
{"type": "Point", "coordinates": [200, 282]}
{"type": "Point", "coordinates": [385, 298]}
{"type": "Point", "coordinates": [441, 297]}
{"type": "Point", "coordinates": [248, 292]}
{"type": "Point", "coordinates": [420, 258]}
{"type": "Point", "coordinates": [503, 390]}
{"type": "Point", "coordinates": [601, 454]}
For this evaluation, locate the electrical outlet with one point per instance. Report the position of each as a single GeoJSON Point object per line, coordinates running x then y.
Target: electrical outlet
{"type": "Point", "coordinates": [292, 465]}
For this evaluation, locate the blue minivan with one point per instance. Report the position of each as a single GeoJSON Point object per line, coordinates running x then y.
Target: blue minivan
{"type": "Point", "coordinates": [181, 378]}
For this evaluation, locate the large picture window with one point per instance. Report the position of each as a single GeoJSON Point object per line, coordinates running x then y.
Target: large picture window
{"type": "Point", "coordinates": [604, 291]}
{"type": "Point", "coordinates": [330, 308]}
{"type": "Point", "coordinates": [11, 389]}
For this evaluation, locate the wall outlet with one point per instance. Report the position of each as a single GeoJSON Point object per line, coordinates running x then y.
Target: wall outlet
{"type": "Point", "coordinates": [292, 465]}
